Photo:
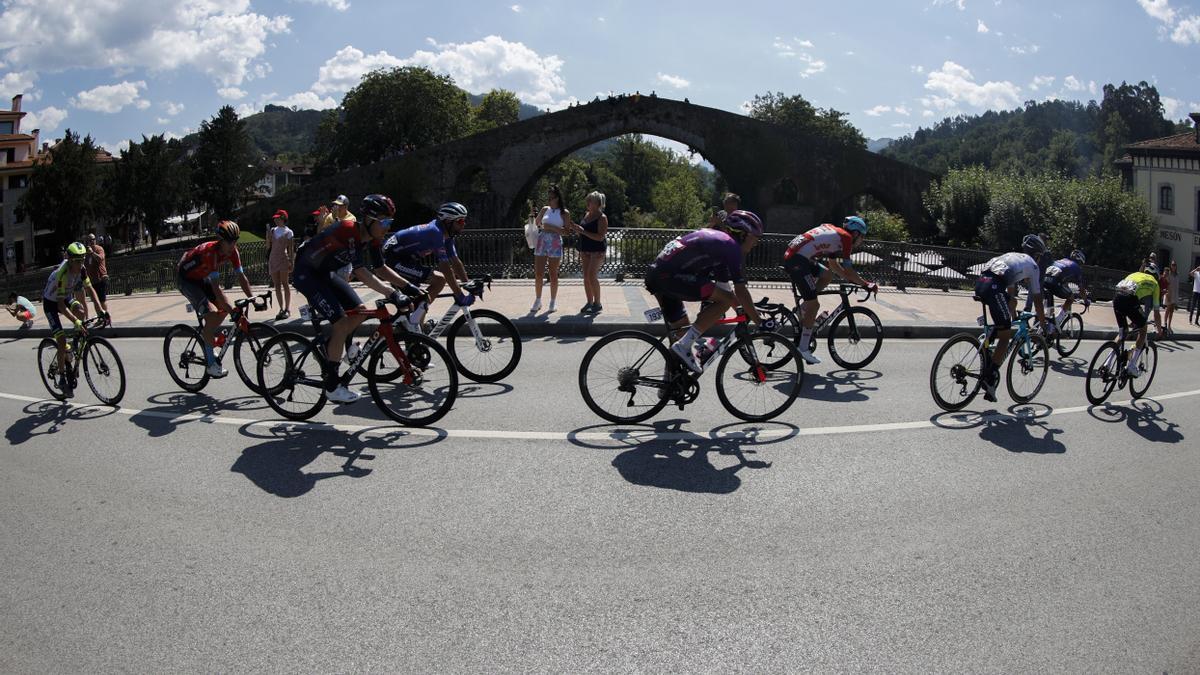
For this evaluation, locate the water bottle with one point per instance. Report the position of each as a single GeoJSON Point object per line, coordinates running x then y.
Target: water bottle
{"type": "Point", "coordinates": [352, 350]}
{"type": "Point", "coordinates": [304, 312]}
{"type": "Point", "coordinates": [219, 338]}
{"type": "Point", "coordinates": [705, 348]}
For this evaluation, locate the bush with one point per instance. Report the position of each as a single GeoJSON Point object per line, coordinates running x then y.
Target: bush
{"type": "Point", "coordinates": [885, 226]}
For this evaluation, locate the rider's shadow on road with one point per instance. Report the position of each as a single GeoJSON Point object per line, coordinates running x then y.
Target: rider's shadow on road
{"type": "Point", "coordinates": [1071, 366]}
{"type": "Point", "coordinates": [175, 409]}
{"type": "Point", "coordinates": [277, 465]}
{"type": "Point", "coordinates": [1022, 429]}
{"type": "Point", "coordinates": [1143, 417]}
{"type": "Point", "coordinates": [664, 455]}
{"type": "Point", "coordinates": [840, 386]}
{"type": "Point", "coordinates": [47, 417]}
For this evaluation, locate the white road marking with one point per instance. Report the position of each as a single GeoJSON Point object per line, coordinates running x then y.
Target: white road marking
{"type": "Point", "coordinates": [632, 434]}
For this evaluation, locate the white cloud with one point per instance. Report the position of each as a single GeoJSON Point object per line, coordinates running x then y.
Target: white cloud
{"type": "Point", "coordinates": [1092, 87]}
{"type": "Point", "coordinates": [919, 70]}
{"type": "Point", "coordinates": [1073, 84]}
{"type": "Point", "coordinates": [927, 113]}
{"type": "Point", "coordinates": [1024, 50]}
{"type": "Point", "coordinates": [305, 100]}
{"type": "Point", "coordinates": [345, 68]}
{"type": "Point", "coordinates": [46, 119]}
{"type": "Point", "coordinates": [954, 85]}
{"type": "Point", "coordinates": [112, 98]}
{"type": "Point", "coordinates": [807, 44]}
{"type": "Point", "coordinates": [172, 108]}
{"type": "Point", "coordinates": [14, 83]}
{"type": "Point", "coordinates": [1187, 31]}
{"type": "Point", "coordinates": [901, 125]}
{"type": "Point", "coordinates": [339, 5]}
{"type": "Point", "coordinates": [220, 38]}
{"type": "Point", "coordinates": [517, 8]}
{"type": "Point", "coordinates": [960, 4]}
{"type": "Point", "coordinates": [1175, 109]}
{"type": "Point", "coordinates": [1159, 9]}
{"type": "Point", "coordinates": [115, 148]}
{"type": "Point", "coordinates": [1040, 81]}
{"type": "Point", "coordinates": [162, 120]}
{"type": "Point", "coordinates": [812, 65]}
{"type": "Point", "coordinates": [231, 93]}
{"type": "Point", "coordinates": [797, 49]}
{"type": "Point", "coordinates": [902, 110]}
{"type": "Point", "coordinates": [494, 62]}
{"type": "Point", "coordinates": [878, 110]}
{"type": "Point", "coordinates": [672, 81]}
{"type": "Point", "coordinates": [981, 27]}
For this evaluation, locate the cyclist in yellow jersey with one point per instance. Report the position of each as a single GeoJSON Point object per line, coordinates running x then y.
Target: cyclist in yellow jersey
{"type": "Point", "coordinates": [59, 297]}
{"type": "Point", "coordinates": [1136, 295]}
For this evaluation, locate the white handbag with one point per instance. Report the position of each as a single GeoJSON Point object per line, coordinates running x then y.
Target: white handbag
{"type": "Point", "coordinates": [531, 233]}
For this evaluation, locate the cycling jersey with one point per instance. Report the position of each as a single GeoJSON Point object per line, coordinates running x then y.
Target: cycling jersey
{"type": "Point", "coordinates": [419, 241]}
{"type": "Point", "coordinates": [203, 263]}
{"type": "Point", "coordinates": [1015, 268]}
{"type": "Point", "coordinates": [63, 283]}
{"type": "Point", "coordinates": [1142, 286]}
{"type": "Point", "coordinates": [1065, 270]}
{"type": "Point", "coordinates": [708, 255]}
{"type": "Point", "coordinates": [825, 241]}
{"type": "Point", "coordinates": [334, 247]}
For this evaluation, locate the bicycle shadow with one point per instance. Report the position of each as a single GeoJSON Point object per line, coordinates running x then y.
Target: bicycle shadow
{"type": "Point", "coordinates": [365, 406]}
{"type": "Point", "coordinates": [1143, 417]}
{"type": "Point", "coordinates": [664, 455]}
{"type": "Point", "coordinates": [175, 409]}
{"type": "Point", "coordinates": [1169, 345]}
{"type": "Point", "coordinates": [840, 386]}
{"type": "Point", "coordinates": [53, 415]}
{"type": "Point", "coordinates": [470, 389]}
{"type": "Point", "coordinates": [1013, 431]}
{"type": "Point", "coordinates": [277, 465]}
{"type": "Point", "coordinates": [1071, 366]}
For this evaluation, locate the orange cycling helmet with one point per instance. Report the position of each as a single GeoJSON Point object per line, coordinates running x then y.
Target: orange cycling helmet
{"type": "Point", "coordinates": [228, 230]}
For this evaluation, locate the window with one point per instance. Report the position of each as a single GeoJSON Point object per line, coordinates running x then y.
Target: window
{"type": "Point", "coordinates": [10, 155]}
{"type": "Point", "coordinates": [18, 182]}
{"type": "Point", "coordinates": [6, 127]}
{"type": "Point", "coordinates": [1166, 198]}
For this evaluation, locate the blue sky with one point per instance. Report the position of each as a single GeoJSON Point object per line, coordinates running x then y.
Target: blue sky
{"type": "Point", "coordinates": [117, 69]}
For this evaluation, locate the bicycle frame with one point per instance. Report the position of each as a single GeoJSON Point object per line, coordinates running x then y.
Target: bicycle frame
{"type": "Point", "coordinates": [440, 327]}
{"type": "Point", "coordinates": [386, 332]}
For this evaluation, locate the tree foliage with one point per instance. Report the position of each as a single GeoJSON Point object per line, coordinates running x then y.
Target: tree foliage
{"type": "Point", "coordinates": [64, 189]}
{"type": "Point", "coordinates": [151, 183]}
{"type": "Point", "coordinates": [796, 113]}
{"type": "Point", "coordinates": [498, 108]}
{"type": "Point", "coordinates": [885, 226]}
{"type": "Point", "coordinates": [225, 164]}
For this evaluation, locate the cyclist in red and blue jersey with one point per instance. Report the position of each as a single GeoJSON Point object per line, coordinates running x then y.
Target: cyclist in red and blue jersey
{"type": "Point", "coordinates": [316, 277]}
{"type": "Point", "coordinates": [705, 265]}
{"type": "Point", "coordinates": [405, 250]}
{"type": "Point", "coordinates": [199, 278]}
{"type": "Point", "coordinates": [1057, 281]}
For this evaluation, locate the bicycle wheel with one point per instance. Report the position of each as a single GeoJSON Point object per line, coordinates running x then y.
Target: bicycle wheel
{"type": "Point", "coordinates": [1147, 365]}
{"type": "Point", "coordinates": [290, 369]}
{"type": "Point", "coordinates": [626, 377]}
{"type": "Point", "coordinates": [103, 370]}
{"type": "Point", "coordinates": [1028, 364]}
{"type": "Point", "coordinates": [752, 391]}
{"type": "Point", "coordinates": [490, 357]}
{"type": "Point", "coordinates": [183, 351]}
{"type": "Point", "coordinates": [410, 395]}
{"type": "Point", "coordinates": [855, 338]}
{"type": "Point", "coordinates": [246, 347]}
{"type": "Point", "coordinates": [1067, 339]}
{"type": "Point", "coordinates": [1103, 373]}
{"type": "Point", "coordinates": [788, 326]}
{"type": "Point", "coordinates": [955, 377]}
{"type": "Point", "coordinates": [48, 368]}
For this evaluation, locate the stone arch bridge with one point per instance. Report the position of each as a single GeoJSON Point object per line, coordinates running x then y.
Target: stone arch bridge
{"type": "Point", "coordinates": [792, 180]}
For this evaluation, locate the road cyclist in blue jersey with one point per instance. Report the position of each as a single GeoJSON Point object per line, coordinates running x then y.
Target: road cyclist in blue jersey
{"type": "Point", "coordinates": [997, 290]}
{"type": "Point", "coordinates": [1063, 279]}
{"type": "Point", "coordinates": [406, 252]}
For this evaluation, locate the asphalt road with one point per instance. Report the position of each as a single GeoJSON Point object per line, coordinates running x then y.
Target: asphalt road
{"type": "Point", "coordinates": [178, 534]}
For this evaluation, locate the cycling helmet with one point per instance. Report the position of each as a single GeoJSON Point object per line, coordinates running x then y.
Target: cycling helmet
{"type": "Point", "coordinates": [1033, 244]}
{"type": "Point", "coordinates": [1152, 269]}
{"type": "Point", "coordinates": [745, 222]}
{"type": "Point", "coordinates": [76, 250]}
{"type": "Point", "coordinates": [228, 230]}
{"type": "Point", "coordinates": [1077, 256]}
{"type": "Point", "coordinates": [451, 211]}
{"type": "Point", "coordinates": [855, 224]}
{"type": "Point", "coordinates": [378, 206]}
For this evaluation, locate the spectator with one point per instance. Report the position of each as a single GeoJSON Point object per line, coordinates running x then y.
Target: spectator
{"type": "Point", "coordinates": [97, 267]}
{"type": "Point", "coordinates": [310, 229]}
{"type": "Point", "coordinates": [339, 213]}
{"type": "Point", "coordinates": [553, 220]}
{"type": "Point", "coordinates": [1169, 283]}
{"type": "Point", "coordinates": [1150, 264]}
{"type": "Point", "coordinates": [592, 232]}
{"type": "Point", "coordinates": [21, 309]}
{"type": "Point", "coordinates": [731, 202]}
{"type": "Point", "coordinates": [281, 256]}
{"type": "Point", "coordinates": [1194, 308]}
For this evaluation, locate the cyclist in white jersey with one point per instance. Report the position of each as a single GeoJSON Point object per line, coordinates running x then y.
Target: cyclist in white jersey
{"type": "Point", "coordinates": [997, 290]}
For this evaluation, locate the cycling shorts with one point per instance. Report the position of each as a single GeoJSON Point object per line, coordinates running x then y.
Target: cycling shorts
{"type": "Point", "coordinates": [1054, 286]}
{"type": "Point", "coordinates": [50, 309]}
{"type": "Point", "coordinates": [992, 292]}
{"type": "Point", "coordinates": [412, 270]}
{"type": "Point", "coordinates": [199, 293]}
{"type": "Point", "coordinates": [1130, 310]}
{"type": "Point", "coordinates": [672, 290]}
{"type": "Point", "coordinates": [328, 294]}
{"type": "Point", "coordinates": [805, 275]}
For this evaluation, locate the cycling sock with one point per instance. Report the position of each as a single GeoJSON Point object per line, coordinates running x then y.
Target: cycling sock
{"type": "Point", "coordinates": [805, 339]}
{"type": "Point", "coordinates": [331, 376]}
{"type": "Point", "coordinates": [209, 356]}
{"type": "Point", "coordinates": [1137, 354]}
{"type": "Point", "coordinates": [689, 337]}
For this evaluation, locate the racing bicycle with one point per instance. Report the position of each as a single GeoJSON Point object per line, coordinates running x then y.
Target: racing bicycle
{"type": "Point", "coordinates": [183, 347]}
{"type": "Point", "coordinates": [964, 359]}
{"type": "Point", "coordinates": [102, 367]}
{"type": "Point", "coordinates": [854, 334]}
{"type": "Point", "coordinates": [484, 344]}
{"type": "Point", "coordinates": [1108, 371]}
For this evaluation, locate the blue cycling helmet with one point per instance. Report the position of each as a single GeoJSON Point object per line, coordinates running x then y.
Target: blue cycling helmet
{"type": "Point", "coordinates": [1077, 256]}
{"type": "Point", "coordinates": [855, 224]}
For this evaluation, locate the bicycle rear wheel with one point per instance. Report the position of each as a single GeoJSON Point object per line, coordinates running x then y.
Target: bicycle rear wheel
{"type": "Point", "coordinates": [956, 374]}
{"type": "Point", "coordinates": [290, 369]}
{"type": "Point", "coordinates": [1028, 365]}
{"type": "Point", "coordinates": [750, 389]}
{"type": "Point", "coordinates": [183, 352]}
{"type": "Point", "coordinates": [1069, 335]}
{"type": "Point", "coordinates": [493, 355]}
{"type": "Point", "coordinates": [1103, 374]}
{"type": "Point", "coordinates": [413, 396]}
{"type": "Point", "coordinates": [104, 371]}
{"type": "Point", "coordinates": [48, 368]}
{"type": "Point", "coordinates": [855, 338]}
{"type": "Point", "coordinates": [1147, 365]}
{"type": "Point", "coordinates": [625, 377]}
{"type": "Point", "coordinates": [246, 347]}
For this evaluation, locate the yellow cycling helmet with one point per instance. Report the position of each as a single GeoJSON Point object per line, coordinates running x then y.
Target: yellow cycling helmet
{"type": "Point", "coordinates": [76, 250]}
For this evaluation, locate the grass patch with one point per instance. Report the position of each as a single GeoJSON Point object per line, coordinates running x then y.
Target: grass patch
{"type": "Point", "coordinates": [248, 237]}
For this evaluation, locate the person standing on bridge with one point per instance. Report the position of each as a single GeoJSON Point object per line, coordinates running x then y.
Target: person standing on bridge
{"type": "Point", "coordinates": [592, 232]}
{"type": "Point", "coordinates": [552, 221]}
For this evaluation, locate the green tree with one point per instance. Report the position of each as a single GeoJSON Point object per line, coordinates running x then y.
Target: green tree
{"type": "Point", "coordinates": [958, 204]}
{"type": "Point", "coordinates": [796, 113]}
{"type": "Point", "coordinates": [225, 165]}
{"type": "Point", "coordinates": [64, 189]}
{"type": "Point", "coordinates": [676, 200]}
{"type": "Point", "coordinates": [641, 164]}
{"type": "Point", "coordinates": [152, 182]}
{"type": "Point", "coordinates": [498, 108]}
{"type": "Point", "coordinates": [885, 226]}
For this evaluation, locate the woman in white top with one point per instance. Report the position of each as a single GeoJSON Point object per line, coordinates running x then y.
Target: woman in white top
{"type": "Point", "coordinates": [281, 256]}
{"type": "Point", "coordinates": [1194, 307]}
{"type": "Point", "coordinates": [552, 221]}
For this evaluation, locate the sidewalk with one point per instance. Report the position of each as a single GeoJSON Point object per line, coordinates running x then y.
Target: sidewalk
{"type": "Point", "coordinates": [917, 313]}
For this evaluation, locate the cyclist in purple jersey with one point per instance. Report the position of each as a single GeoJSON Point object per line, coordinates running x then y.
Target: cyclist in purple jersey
{"type": "Point", "coordinates": [705, 265]}
{"type": "Point", "coordinates": [1056, 281]}
{"type": "Point", "coordinates": [405, 250]}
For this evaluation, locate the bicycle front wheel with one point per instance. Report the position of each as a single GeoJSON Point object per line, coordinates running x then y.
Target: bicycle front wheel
{"type": "Point", "coordinates": [750, 389]}
{"type": "Point", "coordinates": [183, 352]}
{"type": "Point", "coordinates": [1147, 364]}
{"type": "Point", "coordinates": [290, 369]}
{"type": "Point", "coordinates": [1028, 365]}
{"type": "Point", "coordinates": [491, 355]}
{"type": "Point", "coordinates": [104, 371]}
{"type": "Point", "coordinates": [855, 338]}
{"type": "Point", "coordinates": [625, 377]}
{"type": "Point", "coordinates": [410, 394]}
{"type": "Point", "coordinates": [956, 374]}
{"type": "Point", "coordinates": [1069, 335]}
{"type": "Point", "coordinates": [49, 370]}
{"type": "Point", "coordinates": [1103, 374]}
{"type": "Point", "coordinates": [246, 348]}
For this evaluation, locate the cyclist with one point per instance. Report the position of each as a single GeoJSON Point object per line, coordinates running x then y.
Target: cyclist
{"type": "Point", "coordinates": [59, 298]}
{"type": "Point", "coordinates": [404, 250]}
{"type": "Point", "coordinates": [997, 290]}
{"type": "Point", "coordinates": [802, 260]}
{"type": "Point", "coordinates": [701, 266]}
{"type": "Point", "coordinates": [199, 278]}
{"type": "Point", "coordinates": [1136, 295]}
{"type": "Point", "coordinates": [316, 277]}
{"type": "Point", "coordinates": [1057, 279]}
